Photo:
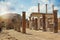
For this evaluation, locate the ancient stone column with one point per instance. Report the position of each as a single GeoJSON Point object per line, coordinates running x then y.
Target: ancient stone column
{"type": "Point", "coordinates": [46, 8]}
{"type": "Point", "coordinates": [18, 27]}
{"type": "Point", "coordinates": [52, 7]}
{"type": "Point", "coordinates": [30, 23]}
{"type": "Point", "coordinates": [14, 22]}
{"type": "Point", "coordinates": [23, 22]}
{"type": "Point", "coordinates": [38, 7]}
{"type": "Point", "coordinates": [27, 24]}
{"type": "Point", "coordinates": [36, 24]}
{"type": "Point", "coordinates": [44, 25]}
{"type": "Point", "coordinates": [41, 22]}
{"type": "Point", "coordinates": [33, 23]}
{"type": "Point", "coordinates": [55, 21]}
{"type": "Point", "coordinates": [46, 18]}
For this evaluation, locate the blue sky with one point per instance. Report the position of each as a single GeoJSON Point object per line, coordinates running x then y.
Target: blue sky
{"type": "Point", "coordinates": [17, 6]}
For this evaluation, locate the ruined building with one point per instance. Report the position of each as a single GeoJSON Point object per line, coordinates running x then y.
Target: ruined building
{"type": "Point", "coordinates": [44, 21]}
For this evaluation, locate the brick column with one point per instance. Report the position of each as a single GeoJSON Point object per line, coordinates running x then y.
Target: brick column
{"type": "Point", "coordinates": [36, 24]}
{"type": "Point", "coordinates": [44, 25]}
{"type": "Point", "coordinates": [55, 21]}
{"type": "Point", "coordinates": [23, 22]}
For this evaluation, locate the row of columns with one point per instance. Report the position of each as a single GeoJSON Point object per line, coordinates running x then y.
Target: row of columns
{"type": "Point", "coordinates": [37, 22]}
{"type": "Point", "coordinates": [17, 28]}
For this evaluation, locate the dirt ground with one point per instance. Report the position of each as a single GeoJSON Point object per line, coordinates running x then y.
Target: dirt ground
{"type": "Point", "coordinates": [30, 35]}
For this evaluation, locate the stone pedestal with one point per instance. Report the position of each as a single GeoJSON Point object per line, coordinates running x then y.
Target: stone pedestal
{"type": "Point", "coordinates": [55, 21]}
{"type": "Point", "coordinates": [23, 23]}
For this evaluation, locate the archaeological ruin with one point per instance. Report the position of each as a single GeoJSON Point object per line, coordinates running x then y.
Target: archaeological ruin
{"type": "Point", "coordinates": [37, 21]}
{"type": "Point", "coordinates": [44, 21]}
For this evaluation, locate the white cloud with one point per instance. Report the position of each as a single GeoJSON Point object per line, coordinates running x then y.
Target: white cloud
{"type": "Point", "coordinates": [4, 8]}
{"type": "Point", "coordinates": [30, 10]}
{"type": "Point", "coordinates": [40, 1]}
{"type": "Point", "coordinates": [44, 1]}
